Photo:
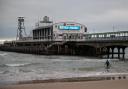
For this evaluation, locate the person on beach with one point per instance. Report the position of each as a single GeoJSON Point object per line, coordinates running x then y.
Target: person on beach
{"type": "Point", "coordinates": [107, 64]}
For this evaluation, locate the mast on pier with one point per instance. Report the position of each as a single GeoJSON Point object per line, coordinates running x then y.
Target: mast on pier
{"type": "Point", "coordinates": [21, 28]}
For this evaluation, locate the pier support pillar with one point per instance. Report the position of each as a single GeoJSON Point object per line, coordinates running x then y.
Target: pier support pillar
{"type": "Point", "coordinates": [66, 49]}
{"type": "Point", "coordinates": [118, 52]}
{"type": "Point", "coordinates": [59, 49]}
{"type": "Point", "coordinates": [112, 52]}
{"type": "Point", "coordinates": [98, 51]}
{"type": "Point", "coordinates": [108, 52]}
{"type": "Point", "coordinates": [123, 52]}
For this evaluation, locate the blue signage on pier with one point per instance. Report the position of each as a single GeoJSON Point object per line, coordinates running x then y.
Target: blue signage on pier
{"type": "Point", "coordinates": [69, 27]}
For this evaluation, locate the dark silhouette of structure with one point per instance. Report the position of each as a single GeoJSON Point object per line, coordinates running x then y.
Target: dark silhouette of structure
{"type": "Point", "coordinates": [21, 28]}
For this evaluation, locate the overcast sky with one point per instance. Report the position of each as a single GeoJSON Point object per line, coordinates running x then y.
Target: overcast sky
{"type": "Point", "coordinates": [97, 15]}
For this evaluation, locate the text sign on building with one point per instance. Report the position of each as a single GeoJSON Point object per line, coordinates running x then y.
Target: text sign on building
{"type": "Point", "coordinates": [69, 27]}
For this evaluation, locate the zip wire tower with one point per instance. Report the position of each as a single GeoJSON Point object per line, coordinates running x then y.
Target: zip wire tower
{"type": "Point", "coordinates": [21, 28]}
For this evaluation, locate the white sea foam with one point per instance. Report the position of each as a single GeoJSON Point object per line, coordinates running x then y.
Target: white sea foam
{"type": "Point", "coordinates": [84, 60]}
{"type": "Point", "coordinates": [33, 75]}
{"type": "Point", "coordinates": [17, 65]}
{"type": "Point", "coordinates": [3, 54]}
{"type": "Point", "coordinates": [20, 67]}
{"type": "Point", "coordinates": [1, 72]}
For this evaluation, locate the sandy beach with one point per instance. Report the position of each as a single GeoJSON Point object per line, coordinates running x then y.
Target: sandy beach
{"type": "Point", "coordinates": [104, 84]}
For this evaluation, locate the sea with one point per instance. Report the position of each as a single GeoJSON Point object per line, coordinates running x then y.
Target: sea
{"type": "Point", "coordinates": [16, 67]}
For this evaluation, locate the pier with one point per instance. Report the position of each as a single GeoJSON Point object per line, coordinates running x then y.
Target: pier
{"type": "Point", "coordinates": [93, 44]}
{"type": "Point", "coordinates": [67, 38]}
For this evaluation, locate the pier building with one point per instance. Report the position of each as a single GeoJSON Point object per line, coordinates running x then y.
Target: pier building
{"type": "Point", "coordinates": [47, 30]}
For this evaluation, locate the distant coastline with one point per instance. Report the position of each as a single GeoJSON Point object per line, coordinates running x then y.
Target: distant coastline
{"type": "Point", "coordinates": [6, 39]}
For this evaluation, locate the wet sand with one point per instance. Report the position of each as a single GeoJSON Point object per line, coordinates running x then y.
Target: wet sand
{"type": "Point", "coordinates": [104, 84]}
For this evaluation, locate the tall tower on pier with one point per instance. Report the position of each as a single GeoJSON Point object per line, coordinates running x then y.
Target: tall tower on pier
{"type": "Point", "coordinates": [21, 28]}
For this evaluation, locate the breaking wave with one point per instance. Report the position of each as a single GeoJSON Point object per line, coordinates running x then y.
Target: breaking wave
{"type": "Point", "coordinates": [15, 65]}
{"type": "Point", "coordinates": [3, 54]}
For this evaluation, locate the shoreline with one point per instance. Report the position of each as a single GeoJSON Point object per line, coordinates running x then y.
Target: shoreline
{"type": "Point", "coordinates": [105, 84]}
{"type": "Point", "coordinates": [77, 79]}
{"type": "Point", "coordinates": [79, 82]}
{"type": "Point", "coordinates": [73, 79]}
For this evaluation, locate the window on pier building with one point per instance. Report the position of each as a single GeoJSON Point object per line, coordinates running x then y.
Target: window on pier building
{"type": "Point", "coordinates": [85, 30]}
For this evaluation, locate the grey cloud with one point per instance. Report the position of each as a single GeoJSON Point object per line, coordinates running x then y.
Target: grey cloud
{"type": "Point", "coordinates": [100, 15]}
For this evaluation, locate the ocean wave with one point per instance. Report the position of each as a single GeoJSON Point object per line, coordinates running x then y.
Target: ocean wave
{"type": "Point", "coordinates": [1, 72]}
{"type": "Point", "coordinates": [16, 64]}
{"type": "Point", "coordinates": [4, 72]}
{"type": "Point", "coordinates": [84, 60]}
{"type": "Point", "coordinates": [99, 60]}
{"type": "Point", "coordinates": [3, 54]}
